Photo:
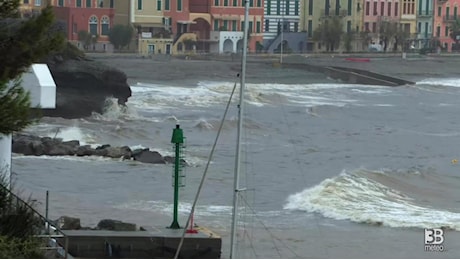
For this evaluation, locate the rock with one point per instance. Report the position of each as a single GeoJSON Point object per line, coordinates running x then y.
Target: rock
{"type": "Point", "coordinates": [115, 225]}
{"type": "Point", "coordinates": [85, 150]}
{"type": "Point", "coordinates": [118, 152]}
{"type": "Point", "coordinates": [103, 146]}
{"type": "Point", "coordinates": [171, 159]}
{"type": "Point", "coordinates": [83, 85]}
{"type": "Point", "coordinates": [68, 223]}
{"type": "Point", "coordinates": [147, 156]}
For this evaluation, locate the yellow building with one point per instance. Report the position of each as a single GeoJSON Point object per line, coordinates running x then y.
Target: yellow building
{"type": "Point", "coordinates": [31, 7]}
{"type": "Point", "coordinates": [315, 12]}
{"type": "Point", "coordinates": [408, 11]}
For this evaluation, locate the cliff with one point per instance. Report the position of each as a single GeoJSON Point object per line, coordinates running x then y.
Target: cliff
{"type": "Point", "coordinates": [83, 85]}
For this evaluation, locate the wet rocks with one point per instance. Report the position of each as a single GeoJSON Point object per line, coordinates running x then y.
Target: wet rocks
{"type": "Point", "coordinates": [34, 145]}
{"type": "Point", "coordinates": [73, 223]}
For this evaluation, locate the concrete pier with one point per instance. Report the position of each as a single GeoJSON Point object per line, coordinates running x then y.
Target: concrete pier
{"type": "Point", "coordinates": [149, 243]}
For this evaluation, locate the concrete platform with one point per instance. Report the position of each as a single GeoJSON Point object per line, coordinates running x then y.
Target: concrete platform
{"type": "Point", "coordinates": [153, 242]}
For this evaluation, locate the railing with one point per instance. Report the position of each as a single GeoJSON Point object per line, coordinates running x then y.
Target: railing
{"type": "Point", "coordinates": [425, 13]}
{"type": "Point", "coordinates": [44, 225]}
{"type": "Point", "coordinates": [449, 18]}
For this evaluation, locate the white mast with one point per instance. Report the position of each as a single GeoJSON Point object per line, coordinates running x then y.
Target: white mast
{"type": "Point", "coordinates": [240, 127]}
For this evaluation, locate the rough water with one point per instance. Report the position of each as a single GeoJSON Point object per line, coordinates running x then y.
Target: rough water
{"type": "Point", "coordinates": [332, 170]}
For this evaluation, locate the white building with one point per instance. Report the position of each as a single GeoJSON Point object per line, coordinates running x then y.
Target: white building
{"type": "Point", "coordinates": [40, 84]}
{"type": "Point", "coordinates": [280, 15]}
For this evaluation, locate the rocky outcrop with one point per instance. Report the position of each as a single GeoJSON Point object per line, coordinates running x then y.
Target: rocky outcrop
{"type": "Point", "coordinates": [83, 85]}
{"type": "Point", "coordinates": [73, 223]}
{"type": "Point", "coordinates": [35, 145]}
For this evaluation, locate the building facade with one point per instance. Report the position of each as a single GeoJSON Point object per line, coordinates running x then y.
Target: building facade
{"type": "Point", "coordinates": [85, 15]}
{"type": "Point", "coordinates": [281, 15]}
{"type": "Point", "coordinates": [28, 8]}
{"type": "Point", "coordinates": [424, 23]}
{"type": "Point", "coordinates": [446, 12]}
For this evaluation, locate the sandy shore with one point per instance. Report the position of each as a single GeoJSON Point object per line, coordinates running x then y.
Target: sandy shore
{"type": "Point", "coordinates": [260, 69]}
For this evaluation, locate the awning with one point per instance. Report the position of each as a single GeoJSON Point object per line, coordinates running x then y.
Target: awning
{"type": "Point", "coordinates": [186, 22]}
{"type": "Point", "coordinates": [227, 17]}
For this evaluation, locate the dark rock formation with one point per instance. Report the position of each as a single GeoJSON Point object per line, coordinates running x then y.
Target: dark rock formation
{"type": "Point", "coordinates": [68, 223]}
{"type": "Point", "coordinates": [83, 85]}
{"type": "Point", "coordinates": [34, 145]}
{"type": "Point", "coordinates": [115, 225]}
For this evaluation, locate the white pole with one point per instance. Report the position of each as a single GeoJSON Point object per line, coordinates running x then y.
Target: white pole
{"type": "Point", "coordinates": [240, 127]}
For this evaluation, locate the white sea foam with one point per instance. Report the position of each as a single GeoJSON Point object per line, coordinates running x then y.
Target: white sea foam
{"type": "Point", "coordinates": [446, 82]}
{"type": "Point", "coordinates": [67, 158]}
{"type": "Point", "coordinates": [357, 198]}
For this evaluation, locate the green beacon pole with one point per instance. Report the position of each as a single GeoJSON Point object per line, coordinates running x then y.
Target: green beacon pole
{"type": "Point", "coordinates": [178, 140]}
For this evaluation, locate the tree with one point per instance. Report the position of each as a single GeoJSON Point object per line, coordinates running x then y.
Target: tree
{"type": "Point", "coordinates": [455, 31]}
{"type": "Point", "coordinates": [388, 31]}
{"type": "Point", "coordinates": [85, 38]}
{"type": "Point", "coordinates": [329, 32]}
{"type": "Point", "coordinates": [120, 35]}
{"type": "Point", "coordinates": [22, 42]}
{"type": "Point", "coordinates": [348, 40]}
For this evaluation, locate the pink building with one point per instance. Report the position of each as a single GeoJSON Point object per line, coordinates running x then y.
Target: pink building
{"type": "Point", "coordinates": [85, 15]}
{"type": "Point", "coordinates": [446, 12]}
{"type": "Point", "coordinates": [378, 11]}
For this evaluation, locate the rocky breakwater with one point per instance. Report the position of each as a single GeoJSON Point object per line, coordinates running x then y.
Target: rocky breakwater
{"type": "Point", "coordinates": [37, 146]}
{"type": "Point", "coordinates": [83, 85]}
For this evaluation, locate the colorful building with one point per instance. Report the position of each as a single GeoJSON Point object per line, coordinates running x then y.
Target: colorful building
{"type": "Point", "coordinates": [409, 18]}
{"type": "Point", "coordinates": [316, 12]}
{"type": "Point", "coordinates": [446, 14]}
{"type": "Point", "coordinates": [281, 15]}
{"type": "Point", "coordinates": [424, 23]}
{"type": "Point", "coordinates": [28, 8]}
{"type": "Point", "coordinates": [85, 15]}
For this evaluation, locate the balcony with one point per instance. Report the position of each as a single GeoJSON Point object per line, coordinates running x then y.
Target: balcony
{"type": "Point", "coordinates": [332, 12]}
{"type": "Point", "coordinates": [449, 18]}
{"type": "Point", "coordinates": [442, 1]}
{"type": "Point", "coordinates": [425, 14]}
{"type": "Point", "coordinates": [384, 18]}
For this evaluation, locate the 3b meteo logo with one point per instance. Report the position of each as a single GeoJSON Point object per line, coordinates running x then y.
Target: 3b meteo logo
{"type": "Point", "coordinates": [434, 238]}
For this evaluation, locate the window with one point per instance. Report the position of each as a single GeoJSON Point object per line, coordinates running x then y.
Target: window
{"type": "Point", "coordinates": [26, 2]}
{"type": "Point", "coordinates": [447, 13]}
{"type": "Point", "coordinates": [179, 5]}
{"type": "Point", "coordinates": [419, 27]}
{"type": "Point", "coordinates": [374, 27]}
{"type": "Point", "coordinates": [225, 25]}
{"type": "Point", "coordinates": [269, 5]}
{"type": "Point", "coordinates": [251, 3]}
{"type": "Point", "coordinates": [439, 11]}
{"type": "Point", "coordinates": [349, 8]}
{"type": "Point", "coordinates": [396, 8]}
{"type": "Point", "coordinates": [326, 7]}
{"type": "Point", "coordinates": [278, 7]}
{"type": "Point", "coordinates": [310, 7]}
{"type": "Point", "coordinates": [375, 8]}
{"type": "Point", "coordinates": [88, 3]}
{"type": "Point", "coordinates": [216, 25]}
{"type": "Point", "coordinates": [105, 25]}
{"type": "Point", "coordinates": [455, 13]}
{"type": "Point", "coordinates": [234, 26]}
{"type": "Point", "coordinates": [296, 27]}
{"type": "Point", "coordinates": [38, 2]}
{"type": "Point", "coordinates": [310, 28]}
{"type": "Point", "coordinates": [78, 3]}
{"type": "Point", "coordinates": [446, 31]}
{"type": "Point", "coordinates": [348, 26]}
{"type": "Point", "coordinates": [111, 3]}
{"type": "Point", "coordinates": [74, 28]}
{"type": "Point", "coordinates": [420, 12]}
{"type": "Point", "coordinates": [382, 8]}
{"type": "Point", "coordinates": [438, 31]}
{"type": "Point", "coordinates": [337, 7]}
{"type": "Point", "coordinates": [296, 7]}
{"type": "Point", "coordinates": [287, 7]}
{"type": "Point", "coordinates": [225, 2]}
{"type": "Point", "coordinates": [368, 6]}
{"type": "Point", "coordinates": [267, 25]}
{"type": "Point", "coordinates": [258, 27]}
{"type": "Point", "coordinates": [259, 3]}
{"type": "Point", "coordinates": [158, 5]}
{"type": "Point", "coordinates": [139, 4]}
{"type": "Point", "coordinates": [366, 26]}
{"type": "Point", "coordinates": [61, 3]}
{"type": "Point", "coordinates": [216, 2]}
{"type": "Point", "coordinates": [389, 9]}
{"type": "Point", "coordinates": [93, 25]}
{"type": "Point", "coordinates": [235, 2]}
{"type": "Point", "coordinates": [251, 24]}
{"type": "Point", "coordinates": [167, 5]}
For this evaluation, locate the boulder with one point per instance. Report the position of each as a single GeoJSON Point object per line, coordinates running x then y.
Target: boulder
{"type": "Point", "coordinates": [118, 152]}
{"type": "Point", "coordinates": [68, 223]}
{"type": "Point", "coordinates": [84, 150]}
{"type": "Point", "coordinates": [147, 156]}
{"type": "Point", "coordinates": [115, 225]}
